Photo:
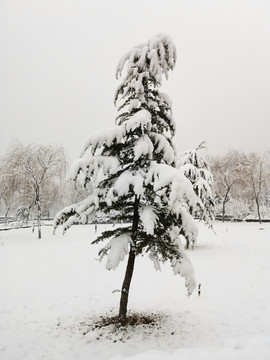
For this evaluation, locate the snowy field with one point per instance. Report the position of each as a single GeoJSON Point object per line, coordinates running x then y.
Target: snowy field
{"type": "Point", "coordinates": [52, 289]}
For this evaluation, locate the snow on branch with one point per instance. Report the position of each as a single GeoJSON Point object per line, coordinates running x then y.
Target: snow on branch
{"type": "Point", "coordinates": [164, 98]}
{"type": "Point", "coordinates": [109, 165]}
{"type": "Point", "coordinates": [63, 215]}
{"type": "Point", "coordinates": [202, 186]}
{"type": "Point", "coordinates": [116, 250]}
{"type": "Point", "coordinates": [140, 119]}
{"type": "Point", "coordinates": [156, 57]}
{"type": "Point", "coordinates": [164, 146]}
{"type": "Point", "coordinates": [192, 158]}
{"type": "Point", "coordinates": [181, 264]}
{"type": "Point", "coordinates": [104, 137]}
{"type": "Point", "coordinates": [123, 183]}
{"type": "Point", "coordinates": [77, 213]}
{"type": "Point", "coordinates": [189, 226]}
{"type": "Point", "coordinates": [181, 188]}
{"type": "Point", "coordinates": [143, 146]}
{"type": "Point", "coordinates": [148, 218]}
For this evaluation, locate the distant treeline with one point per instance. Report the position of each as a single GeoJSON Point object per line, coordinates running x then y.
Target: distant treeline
{"type": "Point", "coordinates": [241, 185]}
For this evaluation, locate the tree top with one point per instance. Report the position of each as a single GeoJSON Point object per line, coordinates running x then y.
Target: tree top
{"type": "Point", "coordinates": [155, 57]}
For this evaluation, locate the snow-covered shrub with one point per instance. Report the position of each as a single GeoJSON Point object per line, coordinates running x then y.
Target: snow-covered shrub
{"type": "Point", "coordinates": [196, 169]}
{"type": "Point", "coordinates": [22, 214]}
{"type": "Point", "coordinates": [237, 209]}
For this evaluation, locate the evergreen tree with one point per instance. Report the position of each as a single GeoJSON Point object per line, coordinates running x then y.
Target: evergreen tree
{"type": "Point", "coordinates": [197, 170]}
{"type": "Point", "coordinates": [131, 171]}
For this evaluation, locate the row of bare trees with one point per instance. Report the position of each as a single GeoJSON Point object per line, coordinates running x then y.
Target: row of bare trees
{"type": "Point", "coordinates": [31, 180]}
{"type": "Point", "coordinates": [242, 184]}
{"type": "Point", "coordinates": [33, 183]}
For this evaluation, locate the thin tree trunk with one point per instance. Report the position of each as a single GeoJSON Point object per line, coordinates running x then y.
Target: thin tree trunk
{"type": "Point", "coordinates": [39, 220]}
{"type": "Point", "coordinates": [223, 210]}
{"type": "Point", "coordinates": [223, 207]}
{"type": "Point", "coordinates": [258, 210]}
{"type": "Point", "coordinates": [6, 215]}
{"type": "Point", "coordinates": [224, 203]}
{"type": "Point", "coordinates": [122, 318]}
{"type": "Point", "coordinates": [28, 214]}
{"type": "Point", "coordinates": [257, 193]}
{"type": "Point", "coordinates": [38, 215]}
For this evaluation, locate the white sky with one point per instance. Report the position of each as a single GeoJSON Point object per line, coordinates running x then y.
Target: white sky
{"type": "Point", "coordinates": [58, 60]}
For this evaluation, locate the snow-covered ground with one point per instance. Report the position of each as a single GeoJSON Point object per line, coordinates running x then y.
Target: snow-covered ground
{"type": "Point", "coordinates": [52, 289]}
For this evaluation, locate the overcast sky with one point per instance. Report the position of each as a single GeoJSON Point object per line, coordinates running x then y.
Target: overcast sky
{"type": "Point", "coordinates": [58, 60]}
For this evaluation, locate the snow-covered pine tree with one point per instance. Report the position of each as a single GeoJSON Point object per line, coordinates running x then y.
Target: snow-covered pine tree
{"type": "Point", "coordinates": [131, 169]}
{"type": "Point", "coordinates": [196, 169]}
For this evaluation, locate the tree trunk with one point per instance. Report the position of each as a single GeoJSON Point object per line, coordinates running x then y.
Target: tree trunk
{"type": "Point", "coordinates": [223, 208]}
{"type": "Point", "coordinates": [28, 214]}
{"type": "Point", "coordinates": [224, 202]}
{"type": "Point", "coordinates": [122, 317]}
{"type": "Point", "coordinates": [258, 210]}
{"type": "Point", "coordinates": [38, 216]}
{"type": "Point", "coordinates": [6, 215]}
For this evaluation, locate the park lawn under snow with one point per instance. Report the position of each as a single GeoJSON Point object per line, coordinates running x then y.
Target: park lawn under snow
{"type": "Point", "coordinates": [53, 288]}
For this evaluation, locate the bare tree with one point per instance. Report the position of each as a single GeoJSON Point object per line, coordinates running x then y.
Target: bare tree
{"type": "Point", "coordinates": [38, 169]}
{"type": "Point", "coordinates": [228, 172]}
{"type": "Point", "coordinates": [258, 176]}
{"type": "Point", "coordinates": [9, 186]}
